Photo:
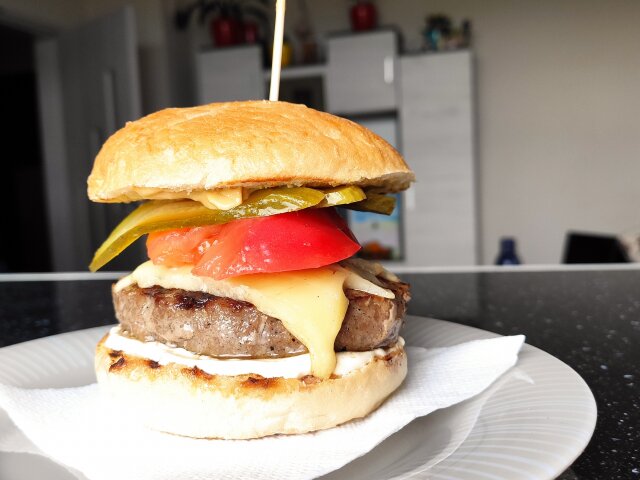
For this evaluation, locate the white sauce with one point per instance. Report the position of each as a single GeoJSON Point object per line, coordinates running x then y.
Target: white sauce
{"type": "Point", "coordinates": [288, 367]}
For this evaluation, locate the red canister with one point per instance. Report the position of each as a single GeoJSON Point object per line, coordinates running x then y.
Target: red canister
{"type": "Point", "coordinates": [363, 16]}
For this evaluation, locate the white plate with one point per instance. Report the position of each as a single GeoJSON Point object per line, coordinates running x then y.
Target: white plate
{"type": "Point", "coordinates": [531, 424]}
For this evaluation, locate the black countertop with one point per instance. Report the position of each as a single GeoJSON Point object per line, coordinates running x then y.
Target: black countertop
{"type": "Point", "coordinates": [588, 318]}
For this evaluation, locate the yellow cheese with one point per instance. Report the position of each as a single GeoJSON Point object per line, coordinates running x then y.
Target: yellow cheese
{"type": "Point", "coordinates": [223, 199]}
{"type": "Point", "coordinates": [219, 199]}
{"type": "Point", "coordinates": [311, 304]}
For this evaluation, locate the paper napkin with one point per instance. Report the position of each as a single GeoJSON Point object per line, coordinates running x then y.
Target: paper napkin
{"type": "Point", "coordinates": [80, 430]}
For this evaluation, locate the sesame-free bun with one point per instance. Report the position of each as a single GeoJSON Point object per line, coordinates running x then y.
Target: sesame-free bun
{"type": "Point", "coordinates": [254, 144]}
{"type": "Point", "coordinates": [187, 401]}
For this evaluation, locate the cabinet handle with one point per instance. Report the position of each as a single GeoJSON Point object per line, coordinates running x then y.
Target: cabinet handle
{"type": "Point", "coordinates": [388, 69]}
{"type": "Point", "coordinates": [410, 198]}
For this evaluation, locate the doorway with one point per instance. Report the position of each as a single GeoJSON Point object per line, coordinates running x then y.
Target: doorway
{"type": "Point", "coordinates": [24, 242]}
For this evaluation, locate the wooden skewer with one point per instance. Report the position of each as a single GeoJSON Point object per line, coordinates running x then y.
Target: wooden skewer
{"type": "Point", "coordinates": [276, 60]}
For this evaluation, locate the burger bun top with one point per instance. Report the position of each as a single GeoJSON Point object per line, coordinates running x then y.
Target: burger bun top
{"type": "Point", "coordinates": [253, 144]}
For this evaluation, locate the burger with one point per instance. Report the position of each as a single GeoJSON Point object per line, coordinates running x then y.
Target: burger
{"type": "Point", "coordinates": [252, 317]}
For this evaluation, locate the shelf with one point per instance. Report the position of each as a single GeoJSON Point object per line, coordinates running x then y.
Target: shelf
{"type": "Point", "coordinates": [299, 71]}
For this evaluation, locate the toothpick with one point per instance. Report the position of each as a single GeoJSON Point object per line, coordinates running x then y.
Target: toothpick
{"type": "Point", "coordinates": [276, 60]}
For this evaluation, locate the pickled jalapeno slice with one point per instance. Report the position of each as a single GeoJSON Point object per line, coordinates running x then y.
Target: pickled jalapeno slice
{"type": "Point", "coordinates": [341, 196]}
{"type": "Point", "coordinates": [375, 203]}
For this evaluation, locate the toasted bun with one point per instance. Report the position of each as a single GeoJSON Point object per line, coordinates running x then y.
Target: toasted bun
{"type": "Point", "coordinates": [189, 402]}
{"type": "Point", "coordinates": [253, 144]}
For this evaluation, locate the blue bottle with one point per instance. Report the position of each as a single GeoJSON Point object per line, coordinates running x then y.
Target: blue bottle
{"type": "Point", "coordinates": [507, 255]}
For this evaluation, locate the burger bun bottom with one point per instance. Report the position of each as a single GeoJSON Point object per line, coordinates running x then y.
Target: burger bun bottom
{"type": "Point", "coordinates": [186, 401]}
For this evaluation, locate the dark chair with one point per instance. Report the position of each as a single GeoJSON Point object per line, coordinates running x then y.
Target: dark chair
{"type": "Point", "coordinates": [593, 248]}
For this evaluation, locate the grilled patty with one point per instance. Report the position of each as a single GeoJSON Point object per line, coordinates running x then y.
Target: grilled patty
{"type": "Point", "coordinates": [222, 327]}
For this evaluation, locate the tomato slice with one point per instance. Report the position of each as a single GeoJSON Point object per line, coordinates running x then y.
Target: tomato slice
{"type": "Point", "coordinates": [278, 243]}
{"type": "Point", "coordinates": [182, 246]}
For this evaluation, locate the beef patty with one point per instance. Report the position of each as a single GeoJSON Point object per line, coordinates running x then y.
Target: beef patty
{"type": "Point", "coordinates": [222, 327]}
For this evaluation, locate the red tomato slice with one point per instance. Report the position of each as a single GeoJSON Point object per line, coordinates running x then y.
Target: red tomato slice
{"type": "Point", "coordinates": [183, 246]}
{"type": "Point", "coordinates": [308, 238]}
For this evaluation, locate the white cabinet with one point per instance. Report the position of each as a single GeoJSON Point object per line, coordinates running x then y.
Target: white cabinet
{"type": "Point", "coordinates": [361, 73]}
{"type": "Point", "coordinates": [229, 74]}
{"type": "Point", "coordinates": [437, 141]}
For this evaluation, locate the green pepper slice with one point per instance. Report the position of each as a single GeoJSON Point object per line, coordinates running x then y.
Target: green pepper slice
{"type": "Point", "coordinates": [376, 203]}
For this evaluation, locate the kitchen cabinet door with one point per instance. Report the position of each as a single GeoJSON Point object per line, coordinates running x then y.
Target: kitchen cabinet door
{"type": "Point", "coordinates": [361, 73]}
{"type": "Point", "coordinates": [436, 115]}
{"type": "Point", "coordinates": [229, 74]}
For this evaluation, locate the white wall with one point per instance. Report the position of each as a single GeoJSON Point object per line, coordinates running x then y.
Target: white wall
{"type": "Point", "coordinates": [559, 121]}
{"type": "Point", "coordinates": [558, 94]}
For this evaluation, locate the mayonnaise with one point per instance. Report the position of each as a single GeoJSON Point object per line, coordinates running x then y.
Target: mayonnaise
{"type": "Point", "coordinates": [288, 367]}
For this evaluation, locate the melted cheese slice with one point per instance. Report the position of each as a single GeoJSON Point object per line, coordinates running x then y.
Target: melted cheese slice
{"type": "Point", "coordinates": [223, 199]}
{"type": "Point", "coordinates": [311, 304]}
{"type": "Point", "coordinates": [219, 199]}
